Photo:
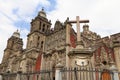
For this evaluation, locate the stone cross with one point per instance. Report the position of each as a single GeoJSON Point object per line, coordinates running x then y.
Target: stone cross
{"type": "Point", "coordinates": [78, 21]}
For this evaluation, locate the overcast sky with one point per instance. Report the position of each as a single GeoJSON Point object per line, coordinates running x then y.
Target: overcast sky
{"type": "Point", "coordinates": [104, 15]}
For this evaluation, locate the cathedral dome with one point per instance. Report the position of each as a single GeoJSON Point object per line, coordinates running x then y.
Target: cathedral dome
{"type": "Point", "coordinates": [42, 13]}
{"type": "Point", "coordinates": [16, 34]}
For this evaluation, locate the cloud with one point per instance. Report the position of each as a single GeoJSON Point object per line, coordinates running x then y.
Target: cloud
{"type": "Point", "coordinates": [12, 16]}
{"type": "Point", "coordinates": [103, 14]}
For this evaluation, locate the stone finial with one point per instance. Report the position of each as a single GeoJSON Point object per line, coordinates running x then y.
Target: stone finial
{"type": "Point", "coordinates": [85, 28]}
{"type": "Point", "coordinates": [42, 8]}
{"type": "Point", "coordinates": [16, 34]}
{"type": "Point", "coordinates": [67, 19]}
{"type": "Point", "coordinates": [42, 13]}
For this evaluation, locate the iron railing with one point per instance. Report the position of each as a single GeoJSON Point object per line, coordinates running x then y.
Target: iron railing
{"type": "Point", "coordinates": [84, 73]}
{"type": "Point", "coordinates": [38, 75]}
{"type": "Point", "coordinates": [77, 73]}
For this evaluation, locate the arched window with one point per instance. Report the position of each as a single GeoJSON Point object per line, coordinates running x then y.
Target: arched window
{"type": "Point", "coordinates": [47, 27]}
{"type": "Point", "coordinates": [43, 29]}
{"type": "Point", "coordinates": [38, 38]}
{"type": "Point", "coordinates": [40, 26]}
{"type": "Point", "coordinates": [42, 44]}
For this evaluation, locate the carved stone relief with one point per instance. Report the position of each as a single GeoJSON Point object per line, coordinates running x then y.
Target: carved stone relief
{"type": "Point", "coordinates": [55, 40]}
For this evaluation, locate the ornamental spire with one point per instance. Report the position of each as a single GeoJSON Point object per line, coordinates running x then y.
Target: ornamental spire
{"type": "Point", "coordinates": [42, 13]}
{"type": "Point", "coordinates": [16, 34]}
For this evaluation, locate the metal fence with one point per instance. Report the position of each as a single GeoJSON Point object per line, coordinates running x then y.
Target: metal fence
{"type": "Point", "coordinates": [39, 75]}
{"type": "Point", "coordinates": [9, 76]}
{"type": "Point", "coordinates": [83, 73]}
{"type": "Point", "coordinates": [80, 73]}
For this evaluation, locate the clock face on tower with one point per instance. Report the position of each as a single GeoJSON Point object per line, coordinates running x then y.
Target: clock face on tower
{"type": "Point", "coordinates": [81, 62]}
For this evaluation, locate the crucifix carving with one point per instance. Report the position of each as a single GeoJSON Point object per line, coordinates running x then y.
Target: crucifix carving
{"type": "Point", "coordinates": [78, 21]}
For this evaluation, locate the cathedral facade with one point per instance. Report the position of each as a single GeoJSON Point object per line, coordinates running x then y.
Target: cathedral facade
{"type": "Point", "coordinates": [46, 47]}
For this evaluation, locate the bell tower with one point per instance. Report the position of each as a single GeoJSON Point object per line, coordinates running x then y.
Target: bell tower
{"type": "Point", "coordinates": [40, 23]}
{"type": "Point", "coordinates": [14, 46]}
{"type": "Point", "coordinates": [40, 26]}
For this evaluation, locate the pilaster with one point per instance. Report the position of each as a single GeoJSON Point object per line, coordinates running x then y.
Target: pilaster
{"type": "Point", "coordinates": [116, 47]}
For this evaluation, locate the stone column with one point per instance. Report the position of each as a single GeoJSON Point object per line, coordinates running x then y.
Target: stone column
{"type": "Point", "coordinates": [78, 29]}
{"type": "Point", "coordinates": [67, 43]}
{"type": "Point", "coordinates": [58, 75]}
{"type": "Point", "coordinates": [116, 47]}
{"type": "Point", "coordinates": [1, 77]}
{"type": "Point", "coordinates": [68, 27]}
{"type": "Point", "coordinates": [115, 73]}
{"type": "Point", "coordinates": [117, 57]}
{"type": "Point", "coordinates": [19, 74]}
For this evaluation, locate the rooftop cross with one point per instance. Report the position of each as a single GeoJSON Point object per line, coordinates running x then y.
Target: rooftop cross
{"type": "Point", "coordinates": [78, 21]}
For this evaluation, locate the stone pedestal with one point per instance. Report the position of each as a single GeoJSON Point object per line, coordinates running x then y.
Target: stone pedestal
{"type": "Point", "coordinates": [58, 75]}
{"type": "Point", "coordinates": [18, 75]}
{"type": "Point", "coordinates": [115, 73]}
{"type": "Point", "coordinates": [1, 77]}
{"type": "Point", "coordinates": [116, 47]}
